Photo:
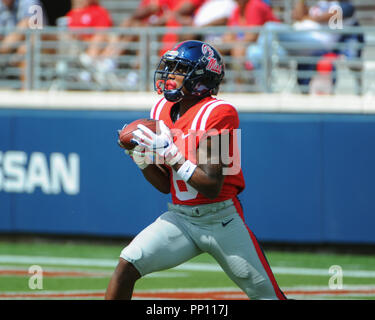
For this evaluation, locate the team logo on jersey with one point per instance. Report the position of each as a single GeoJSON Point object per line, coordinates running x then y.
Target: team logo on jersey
{"type": "Point", "coordinates": [212, 65]}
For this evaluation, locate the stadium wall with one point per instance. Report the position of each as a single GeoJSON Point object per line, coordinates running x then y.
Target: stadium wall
{"type": "Point", "coordinates": [310, 176]}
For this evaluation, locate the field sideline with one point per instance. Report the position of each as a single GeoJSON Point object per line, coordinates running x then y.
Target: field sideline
{"type": "Point", "coordinates": [82, 271]}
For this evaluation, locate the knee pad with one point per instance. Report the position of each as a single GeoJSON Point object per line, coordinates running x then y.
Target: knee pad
{"type": "Point", "coordinates": [132, 253]}
{"type": "Point", "coordinates": [243, 270]}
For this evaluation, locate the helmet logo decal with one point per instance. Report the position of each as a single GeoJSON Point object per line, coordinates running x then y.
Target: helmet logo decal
{"type": "Point", "coordinates": [212, 65]}
{"type": "Point", "coordinates": [171, 54]}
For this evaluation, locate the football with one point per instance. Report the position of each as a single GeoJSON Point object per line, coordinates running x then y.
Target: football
{"type": "Point", "coordinates": [126, 134]}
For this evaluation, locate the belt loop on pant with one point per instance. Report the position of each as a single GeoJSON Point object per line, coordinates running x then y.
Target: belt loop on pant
{"type": "Point", "coordinates": [196, 212]}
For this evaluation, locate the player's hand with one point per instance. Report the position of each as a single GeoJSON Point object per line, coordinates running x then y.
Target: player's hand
{"type": "Point", "coordinates": [118, 137]}
{"type": "Point", "coordinates": [120, 144]}
{"type": "Point", "coordinates": [140, 156]}
{"type": "Point", "coordinates": [161, 142]}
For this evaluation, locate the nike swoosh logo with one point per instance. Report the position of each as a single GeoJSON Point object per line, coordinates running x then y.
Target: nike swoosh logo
{"type": "Point", "coordinates": [166, 145]}
{"type": "Point", "coordinates": [225, 223]}
{"type": "Point", "coordinates": [185, 135]}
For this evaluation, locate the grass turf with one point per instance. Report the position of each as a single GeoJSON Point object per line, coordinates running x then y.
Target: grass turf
{"type": "Point", "coordinates": [172, 279]}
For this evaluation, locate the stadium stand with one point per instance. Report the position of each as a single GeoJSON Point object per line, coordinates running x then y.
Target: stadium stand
{"type": "Point", "coordinates": [365, 10]}
{"type": "Point", "coordinates": [52, 62]}
{"type": "Point", "coordinates": [120, 10]}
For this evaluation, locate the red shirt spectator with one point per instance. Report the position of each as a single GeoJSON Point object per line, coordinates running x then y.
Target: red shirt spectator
{"type": "Point", "coordinates": [177, 4]}
{"type": "Point", "coordinates": [257, 13]}
{"type": "Point", "coordinates": [248, 13]}
{"type": "Point", "coordinates": [147, 11]}
{"type": "Point", "coordinates": [92, 16]}
{"type": "Point", "coordinates": [179, 10]}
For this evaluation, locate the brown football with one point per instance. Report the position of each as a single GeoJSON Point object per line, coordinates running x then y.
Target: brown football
{"type": "Point", "coordinates": [126, 134]}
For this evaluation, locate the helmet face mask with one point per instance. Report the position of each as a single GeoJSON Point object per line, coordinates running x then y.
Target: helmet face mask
{"type": "Point", "coordinates": [172, 67]}
{"type": "Point", "coordinates": [201, 66]}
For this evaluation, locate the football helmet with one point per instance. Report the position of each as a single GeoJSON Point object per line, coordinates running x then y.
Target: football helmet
{"type": "Point", "coordinates": [201, 65]}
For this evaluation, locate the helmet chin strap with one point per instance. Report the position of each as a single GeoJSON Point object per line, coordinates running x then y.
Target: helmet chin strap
{"type": "Point", "coordinates": [175, 95]}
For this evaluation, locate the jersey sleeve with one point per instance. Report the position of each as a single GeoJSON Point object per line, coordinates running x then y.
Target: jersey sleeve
{"type": "Point", "coordinates": [224, 121]}
{"type": "Point", "coordinates": [223, 118]}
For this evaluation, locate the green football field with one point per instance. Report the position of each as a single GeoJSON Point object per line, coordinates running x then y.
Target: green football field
{"type": "Point", "coordinates": [68, 270]}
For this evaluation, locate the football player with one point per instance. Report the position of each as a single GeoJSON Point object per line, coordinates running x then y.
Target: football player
{"type": "Point", "coordinates": [205, 214]}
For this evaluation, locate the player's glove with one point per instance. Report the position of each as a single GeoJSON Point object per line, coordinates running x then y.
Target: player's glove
{"type": "Point", "coordinates": [160, 143]}
{"type": "Point", "coordinates": [139, 156]}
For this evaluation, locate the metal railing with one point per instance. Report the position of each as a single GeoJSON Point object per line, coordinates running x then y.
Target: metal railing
{"type": "Point", "coordinates": [51, 59]}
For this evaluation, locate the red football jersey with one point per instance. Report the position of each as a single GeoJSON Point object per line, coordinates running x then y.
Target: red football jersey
{"type": "Point", "coordinates": [209, 116]}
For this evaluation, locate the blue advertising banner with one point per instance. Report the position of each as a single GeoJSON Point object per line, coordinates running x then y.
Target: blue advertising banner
{"type": "Point", "coordinates": [309, 177]}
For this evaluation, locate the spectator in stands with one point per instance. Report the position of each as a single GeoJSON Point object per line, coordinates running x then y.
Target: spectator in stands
{"type": "Point", "coordinates": [318, 43]}
{"type": "Point", "coordinates": [214, 13]}
{"type": "Point", "coordinates": [320, 15]}
{"type": "Point", "coordinates": [248, 13]}
{"type": "Point", "coordinates": [15, 16]}
{"type": "Point", "coordinates": [89, 14]}
{"type": "Point", "coordinates": [147, 13]}
{"type": "Point", "coordinates": [103, 63]}
{"type": "Point", "coordinates": [178, 13]}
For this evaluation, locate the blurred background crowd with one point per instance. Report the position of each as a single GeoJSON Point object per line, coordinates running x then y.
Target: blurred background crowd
{"type": "Point", "coordinates": [304, 46]}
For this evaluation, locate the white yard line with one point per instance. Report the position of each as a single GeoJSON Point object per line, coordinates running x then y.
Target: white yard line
{"type": "Point", "coordinates": [8, 271]}
{"type": "Point", "coordinates": [298, 292]}
{"type": "Point", "coordinates": [63, 261]}
{"type": "Point", "coordinates": [188, 266]}
{"type": "Point", "coordinates": [323, 272]}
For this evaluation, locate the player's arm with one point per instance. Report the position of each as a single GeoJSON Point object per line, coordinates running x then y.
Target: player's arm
{"type": "Point", "coordinates": [158, 176]}
{"type": "Point", "coordinates": [207, 177]}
